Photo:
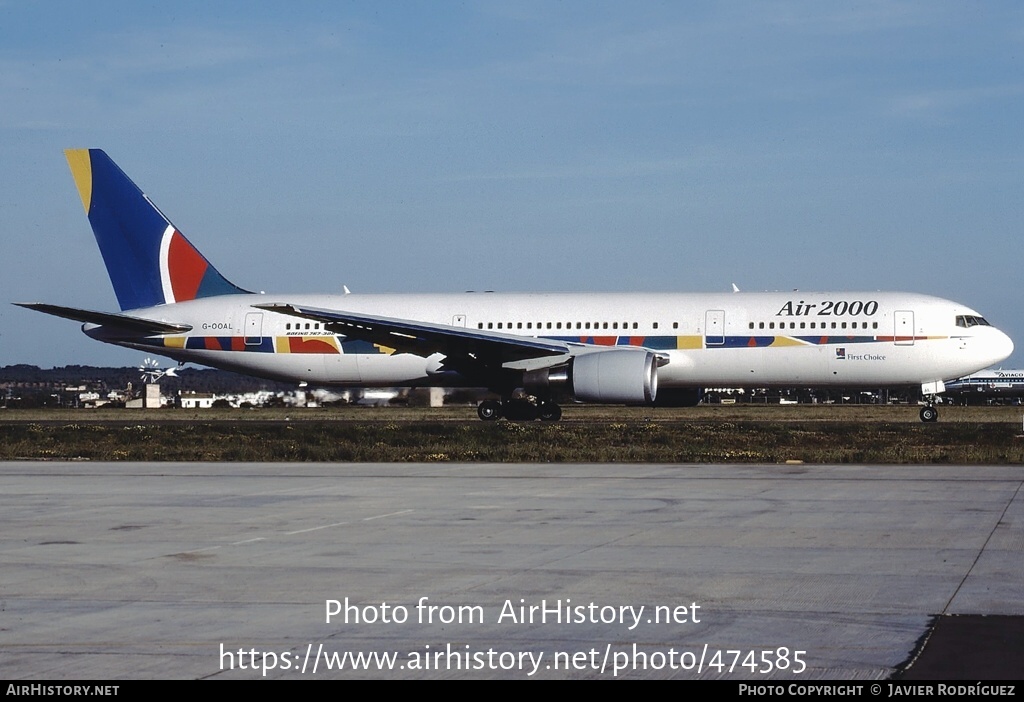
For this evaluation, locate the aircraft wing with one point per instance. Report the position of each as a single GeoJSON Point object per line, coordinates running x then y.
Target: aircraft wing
{"type": "Point", "coordinates": [423, 339]}
{"type": "Point", "coordinates": [130, 325]}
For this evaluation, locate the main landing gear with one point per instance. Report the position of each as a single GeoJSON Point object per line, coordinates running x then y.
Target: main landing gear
{"type": "Point", "coordinates": [546, 411]}
{"type": "Point", "coordinates": [929, 413]}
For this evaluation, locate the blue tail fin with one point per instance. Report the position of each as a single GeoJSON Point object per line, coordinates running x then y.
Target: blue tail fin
{"type": "Point", "coordinates": [149, 261]}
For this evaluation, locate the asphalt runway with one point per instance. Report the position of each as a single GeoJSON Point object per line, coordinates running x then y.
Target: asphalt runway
{"type": "Point", "coordinates": [514, 571]}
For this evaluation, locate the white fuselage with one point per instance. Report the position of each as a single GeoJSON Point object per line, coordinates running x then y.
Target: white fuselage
{"type": "Point", "coordinates": [719, 340]}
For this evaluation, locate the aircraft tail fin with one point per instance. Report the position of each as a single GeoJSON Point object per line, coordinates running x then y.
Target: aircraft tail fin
{"type": "Point", "coordinates": [148, 260]}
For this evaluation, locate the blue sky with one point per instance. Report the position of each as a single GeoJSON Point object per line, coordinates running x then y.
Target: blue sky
{"type": "Point", "coordinates": [435, 146]}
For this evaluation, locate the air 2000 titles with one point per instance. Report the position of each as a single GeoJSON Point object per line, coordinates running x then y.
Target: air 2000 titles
{"type": "Point", "coordinates": [829, 308]}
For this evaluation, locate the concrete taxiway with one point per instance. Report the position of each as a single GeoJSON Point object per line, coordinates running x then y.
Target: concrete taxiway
{"type": "Point", "coordinates": [779, 572]}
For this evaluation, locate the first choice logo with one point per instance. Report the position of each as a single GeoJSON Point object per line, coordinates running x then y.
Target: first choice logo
{"type": "Point", "coordinates": [828, 308]}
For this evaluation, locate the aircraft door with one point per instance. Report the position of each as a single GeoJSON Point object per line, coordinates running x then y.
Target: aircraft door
{"type": "Point", "coordinates": [253, 328]}
{"type": "Point", "coordinates": [903, 335]}
{"type": "Point", "coordinates": [459, 320]}
{"type": "Point", "coordinates": [714, 328]}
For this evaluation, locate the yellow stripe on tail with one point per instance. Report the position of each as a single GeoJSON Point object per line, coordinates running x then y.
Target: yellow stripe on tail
{"type": "Point", "coordinates": [81, 169]}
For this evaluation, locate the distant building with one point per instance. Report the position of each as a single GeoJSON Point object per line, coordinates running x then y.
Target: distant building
{"type": "Point", "coordinates": [150, 398]}
{"type": "Point", "coordinates": [196, 400]}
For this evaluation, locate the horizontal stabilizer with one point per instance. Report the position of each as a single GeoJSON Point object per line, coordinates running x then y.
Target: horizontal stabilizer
{"type": "Point", "coordinates": [135, 325]}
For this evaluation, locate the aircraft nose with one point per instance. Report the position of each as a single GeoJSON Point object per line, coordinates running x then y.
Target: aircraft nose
{"type": "Point", "coordinates": [1007, 343]}
{"type": "Point", "coordinates": [1000, 347]}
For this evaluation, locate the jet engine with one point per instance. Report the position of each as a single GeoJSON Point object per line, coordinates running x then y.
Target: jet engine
{"type": "Point", "coordinates": [626, 376]}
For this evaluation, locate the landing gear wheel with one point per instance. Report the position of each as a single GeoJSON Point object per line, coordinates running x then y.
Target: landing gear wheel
{"type": "Point", "coordinates": [929, 414]}
{"type": "Point", "coordinates": [489, 410]}
{"type": "Point", "coordinates": [549, 412]}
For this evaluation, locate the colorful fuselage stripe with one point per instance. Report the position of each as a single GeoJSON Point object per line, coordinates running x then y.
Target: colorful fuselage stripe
{"type": "Point", "coordinates": [673, 343]}
{"type": "Point", "coordinates": [339, 345]}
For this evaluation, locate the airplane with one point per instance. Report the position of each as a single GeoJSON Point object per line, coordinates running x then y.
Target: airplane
{"type": "Point", "coordinates": [988, 385]}
{"type": "Point", "coordinates": [629, 348]}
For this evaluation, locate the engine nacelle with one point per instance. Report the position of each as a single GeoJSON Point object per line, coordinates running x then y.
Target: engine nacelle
{"type": "Point", "coordinates": [623, 376]}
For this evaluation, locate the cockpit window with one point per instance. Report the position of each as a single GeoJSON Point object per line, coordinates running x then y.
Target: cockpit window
{"type": "Point", "coordinates": [967, 320]}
